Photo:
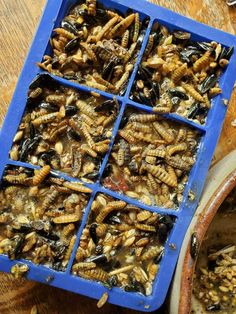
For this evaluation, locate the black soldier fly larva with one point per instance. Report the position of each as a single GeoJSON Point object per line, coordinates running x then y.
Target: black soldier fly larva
{"type": "Point", "coordinates": [96, 47]}
{"type": "Point", "coordinates": [179, 75]}
{"type": "Point", "coordinates": [39, 218]}
{"type": "Point", "coordinates": [66, 129]}
{"type": "Point", "coordinates": [151, 159]}
{"type": "Point", "coordinates": [122, 245]}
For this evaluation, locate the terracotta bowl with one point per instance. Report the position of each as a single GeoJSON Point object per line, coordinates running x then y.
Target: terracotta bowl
{"type": "Point", "coordinates": [221, 180]}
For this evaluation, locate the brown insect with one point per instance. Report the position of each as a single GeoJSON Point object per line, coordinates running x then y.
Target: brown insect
{"type": "Point", "coordinates": [40, 175]}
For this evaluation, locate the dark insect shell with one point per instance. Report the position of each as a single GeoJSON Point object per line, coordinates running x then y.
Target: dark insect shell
{"type": "Point", "coordinates": [194, 246]}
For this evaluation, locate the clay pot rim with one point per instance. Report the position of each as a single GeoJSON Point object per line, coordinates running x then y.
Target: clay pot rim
{"type": "Point", "coordinates": [203, 222]}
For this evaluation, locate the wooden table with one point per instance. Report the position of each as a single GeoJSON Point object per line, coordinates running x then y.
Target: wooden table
{"type": "Point", "coordinates": [18, 20]}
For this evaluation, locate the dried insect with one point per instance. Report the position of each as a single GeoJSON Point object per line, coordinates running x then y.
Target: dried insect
{"type": "Point", "coordinates": [102, 301]}
{"type": "Point", "coordinates": [108, 209]}
{"type": "Point", "coordinates": [42, 221]}
{"type": "Point", "coordinates": [107, 255]}
{"type": "Point", "coordinates": [136, 27]}
{"type": "Point", "coordinates": [40, 175]}
{"type": "Point", "coordinates": [95, 274]}
{"type": "Point", "coordinates": [173, 149]}
{"type": "Point", "coordinates": [19, 270]}
{"type": "Point", "coordinates": [78, 187]}
{"type": "Point", "coordinates": [190, 89]}
{"type": "Point", "coordinates": [194, 246]}
{"type": "Point", "coordinates": [93, 40]}
{"type": "Point", "coordinates": [168, 137]}
{"type": "Point", "coordinates": [179, 73]}
{"type": "Point", "coordinates": [151, 253]}
{"type": "Point", "coordinates": [161, 174]}
{"type": "Point", "coordinates": [149, 165]}
{"type": "Point", "coordinates": [125, 39]}
{"type": "Point", "coordinates": [65, 219]}
{"type": "Point", "coordinates": [70, 249]}
{"type": "Point", "coordinates": [174, 74]}
{"type": "Point", "coordinates": [202, 62]}
{"type": "Point", "coordinates": [120, 28]}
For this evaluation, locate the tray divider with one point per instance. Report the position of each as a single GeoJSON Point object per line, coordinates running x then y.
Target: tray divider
{"type": "Point", "coordinates": [132, 201]}
{"type": "Point", "coordinates": [81, 228]}
{"type": "Point", "coordinates": [139, 59]}
{"type": "Point", "coordinates": [113, 137]}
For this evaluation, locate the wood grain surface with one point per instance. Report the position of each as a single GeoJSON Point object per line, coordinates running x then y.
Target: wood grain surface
{"type": "Point", "coordinates": [18, 21]}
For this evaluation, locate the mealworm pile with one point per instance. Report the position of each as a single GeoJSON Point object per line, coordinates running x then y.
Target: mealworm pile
{"type": "Point", "coordinates": [180, 75]}
{"type": "Point", "coordinates": [214, 282]}
{"type": "Point", "coordinates": [96, 47]}
{"type": "Point", "coordinates": [39, 216]}
{"type": "Point", "coordinates": [122, 245]}
{"type": "Point", "coordinates": [216, 285]}
{"type": "Point", "coordinates": [151, 159]}
{"type": "Point", "coordinates": [66, 129]}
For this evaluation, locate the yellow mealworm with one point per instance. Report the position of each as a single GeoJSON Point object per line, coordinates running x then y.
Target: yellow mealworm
{"type": "Point", "coordinates": [192, 92]}
{"type": "Point", "coordinates": [41, 174]}
{"type": "Point", "coordinates": [179, 73]}
{"type": "Point", "coordinates": [140, 127]}
{"type": "Point", "coordinates": [136, 27]}
{"type": "Point", "coordinates": [86, 108]}
{"type": "Point", "coordinates": [100, 80]}
{"type": "Point", "coordinates": [181, 135]}
{"type": "Point", "coordinates": [95, 274]}
{"type": "Point", "coordinates": [96, 85]}
{"type": "Point", "coordinates": [87, 136]}
{"type": "Point", "coordinates": [143, 215]}
{"type": "Point", "coordinates": [90, 53]}
{"type": "Point", "coordinates": [46, 118]}
{"type": "Point", "coordinates": [215, 91]}
{"type": "Point", "coordinates": [101, 230]}
{"type": "Point", "coordinates": [167, 136]}
{"type": "Point", "coordinates": [161, 174]}
{"type": "Point", "coordinates": [116, 205]}
{"type": "Point", "coordinates": [173, 149]}
{"type": "Point", "coordinates": [161, 153]}
{"type": "Point", "coordinates": [161, 110]}
{"type": "Point", "coordinates": [202, 62]}
{"type": "Point", "coordinates": [107, 27]}
{"type": "Point", "coordinates": [127, 136]}
{"type": "Point", "coordinates": [145, 227]}
{"type": "Point", "coordinates": [121, 27]}
{"type": "Point", "coordinates": [75, 186]}
{"type": "Point", "coordinates": [88, 150]}
{"type": "Point", "coordinates": [16, 179]}
{"type": "Point", "coordinates": [149, 45]}
{"type": "Point", "coordinates": [64, 33]}
{"type": "Point", "coordinates": [125, 39]}
{"type": "Point", "coordinates": [122, 80]}
{"type": "Point", "coordinates": [70, 248]}
{"type": "Point", "coordinates": [143, 118]}
{"type": "Point", "coordinates": [172, 173]}
{"type": "Point", "coordinates": [151, 253]}
{"type": "Point", "coordinates": [65, 219]}
{"type": "Point", "coordinates": [178, 163]}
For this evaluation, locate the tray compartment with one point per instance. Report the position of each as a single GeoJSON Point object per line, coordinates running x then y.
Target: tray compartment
{"type": "Point", "coordinates": [143, 159]}
{"type": "Point", "coordinates": [171, 79]}
{"type": "Point", "coordinates": [75, 55]}
{"type": "Point", "coordinates": [39, 222]}
{"type": "Point", "coordinates": [54, 13]}
{"type": "Point", "coordinates": [123, 241]}
{"type": "Point", "coordinates": [68, 129]}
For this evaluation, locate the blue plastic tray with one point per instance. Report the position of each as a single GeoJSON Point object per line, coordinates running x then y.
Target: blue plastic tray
{"type": "Point", "coordinates": [54, 12]}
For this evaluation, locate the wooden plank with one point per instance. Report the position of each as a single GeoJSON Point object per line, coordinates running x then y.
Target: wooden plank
{"type": "Point", "coordinates": [18, 21]}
